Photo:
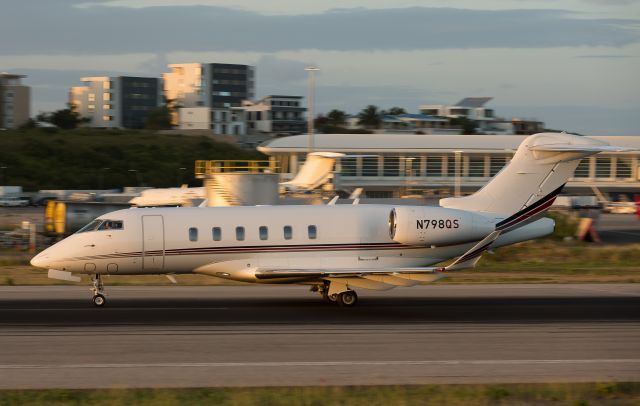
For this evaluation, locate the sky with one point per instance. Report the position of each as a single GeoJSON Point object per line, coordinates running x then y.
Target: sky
{"type": "Point", "coordinates": [574, 64]}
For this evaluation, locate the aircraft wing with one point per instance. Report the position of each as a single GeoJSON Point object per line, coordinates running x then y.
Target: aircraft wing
{"type": "Point", "coordinates": [382, 278]}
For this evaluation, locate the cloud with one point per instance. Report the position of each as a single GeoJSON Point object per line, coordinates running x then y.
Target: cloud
{"type": "Point", "coordinates": [611, 2]}
{"type": "Point", "coordinates": [61, 26]}
{"type": "Point", "coordinates": [612, 56]}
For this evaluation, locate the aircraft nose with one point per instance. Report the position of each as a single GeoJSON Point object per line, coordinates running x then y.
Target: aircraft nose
{"type": "Point", "coordinates": [40, 260]}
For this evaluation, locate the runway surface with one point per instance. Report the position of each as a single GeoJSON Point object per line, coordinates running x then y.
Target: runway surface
{"type": "Point", "coordinates": [285, 335]}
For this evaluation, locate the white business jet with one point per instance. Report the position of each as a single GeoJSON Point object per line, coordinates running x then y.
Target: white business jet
{"type": "Point", "coordinates": [333, 248]}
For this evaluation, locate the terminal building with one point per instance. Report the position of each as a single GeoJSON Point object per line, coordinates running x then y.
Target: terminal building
{"type": "Point", "coordinates": [396, 165]}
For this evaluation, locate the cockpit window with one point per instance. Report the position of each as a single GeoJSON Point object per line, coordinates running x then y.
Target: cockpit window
{"type": "Point", "coordinates": [91, 226]}
{"type": "Point", "coordinates": [111, 225]}
{"type": "Point", "coordinates": [102, 224]}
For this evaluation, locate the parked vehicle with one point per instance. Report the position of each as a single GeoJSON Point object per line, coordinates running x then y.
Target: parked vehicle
{"type": "Point", "coordinates": [13, 202]}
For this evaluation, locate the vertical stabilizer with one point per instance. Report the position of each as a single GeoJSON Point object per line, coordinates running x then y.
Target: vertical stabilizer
{"type": "Point", "coordinates": [531, 181]}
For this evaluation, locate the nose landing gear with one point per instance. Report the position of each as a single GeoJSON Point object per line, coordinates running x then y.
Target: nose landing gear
{"type": "Point", "coordinates": [98, 291]}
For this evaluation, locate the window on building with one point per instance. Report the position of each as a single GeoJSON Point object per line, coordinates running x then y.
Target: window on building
{"type": "Point", "coordinates": [348, 166]}
{"type": "Point", "coordinates": [496, 164]}
{"type": "Point", "coordinates": [106, 96]}
{"type": "Point", "coordinates": [603, 167]}
{"type": "Point", "coordinates": [258, 115]}
{"type": "Point", "coordinates": [412, 166]}
{"type": "Point", "coordinates": [92, 97]}
{"type": "Point", "coordinates": [623, 168]}
{"type": "Point", "coordinates": [288, 232]}
{"type": "Point", "coordinates": [193, 234]}
{"type": "Point", "coordinates": [434, 166]}
{"type": "Point", "coordinates": [264, 232]}
{"type": "Point", "coordinates": [370, 166]}
{"type": "Point", "coordinates": [476, 166]}
{"type": "Point", "coordinates": [216, 233]}
{"type": "Point", "coordinates": [313, 232]}
{"type": "Point", "coordinates": [240, 233]}
{"type": "Point", "coordinates": [451, 165]}
{"type": "Point", "coordinates": [391, 166]}
{"type": "Point", "coordinates": [582, 171]}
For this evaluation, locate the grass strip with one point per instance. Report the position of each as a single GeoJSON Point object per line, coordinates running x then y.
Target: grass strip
{"type": "Point", "coordinates": [456, 395]}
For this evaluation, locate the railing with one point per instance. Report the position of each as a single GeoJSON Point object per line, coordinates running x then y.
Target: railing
{"type": "Point", "coordinates": [205, 167]}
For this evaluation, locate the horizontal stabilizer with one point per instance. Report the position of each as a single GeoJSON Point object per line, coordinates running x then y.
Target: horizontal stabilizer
{"type": "Point", "coordinates": [580, 148]}
{"type": "Point", "coordinates": [470, 258]}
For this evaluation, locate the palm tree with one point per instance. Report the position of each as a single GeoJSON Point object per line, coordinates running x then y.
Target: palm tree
{"type": "Point", "coordinates": [395, 111]}
{"type": "Point", "coordinates": [337, 118]}
{"type": "Point", "coordinates": [370, 117]}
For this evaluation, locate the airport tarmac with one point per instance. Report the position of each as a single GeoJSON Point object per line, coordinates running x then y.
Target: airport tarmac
{"type": "Point", "coordinates": [52, 337]}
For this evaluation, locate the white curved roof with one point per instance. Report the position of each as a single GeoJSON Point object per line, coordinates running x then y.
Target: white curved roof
{"type": "Point", "coordinates": [378, 143]}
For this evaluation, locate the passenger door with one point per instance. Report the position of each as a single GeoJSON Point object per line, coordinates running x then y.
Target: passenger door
{"type": "Point", "coordinates": [152, 243]}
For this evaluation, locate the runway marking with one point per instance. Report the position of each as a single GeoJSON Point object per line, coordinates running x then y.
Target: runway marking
{"type": "Point", "coordinates": [324, 363]}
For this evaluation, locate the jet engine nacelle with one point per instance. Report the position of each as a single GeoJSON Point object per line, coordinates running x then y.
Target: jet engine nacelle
{"type": "Point", "coordinates": [437, 226]}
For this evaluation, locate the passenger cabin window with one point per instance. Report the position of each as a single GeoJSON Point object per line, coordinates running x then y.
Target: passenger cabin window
{"type": "Point", "coordinates": [216, 233]}
{"type": "Point", "coordinates": [240, 233]}
{"type": "Point", "coordinates": [193, 234]}
{"type": "Point", "coordinates": [288, 232]}
{"type": "Point", "coordinates": [313, 232]}
{"type": "Point", "coordinates": [264, 232]}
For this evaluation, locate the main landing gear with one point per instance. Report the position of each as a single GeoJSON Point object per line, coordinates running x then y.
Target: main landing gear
{"type": "Point", "coordinates": [98, 291]}
{"type": "Point", "coordinates": [344, 298]}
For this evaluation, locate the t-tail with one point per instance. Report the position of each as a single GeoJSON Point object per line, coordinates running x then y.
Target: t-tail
{"type": "Point", "coordinates": [529, 184]}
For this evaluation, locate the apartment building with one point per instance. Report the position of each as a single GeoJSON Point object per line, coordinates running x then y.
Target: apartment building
{"type": "Point", "coordinates": [474, 109]}
{"type": "Point", "coordinates": [217, 86]}
{"type": "Point", "coordinates": [116, 102]}
{"type": "Point", "coordinates": [275, 114]}
{"type": "Point", "coordinates": [15, 101]}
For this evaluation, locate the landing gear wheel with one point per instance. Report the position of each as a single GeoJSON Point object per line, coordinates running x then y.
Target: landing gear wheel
{"type": "Point", "coordinates": [329, 298]}
{"type": "Point", "coordinates": [348, 298]}
{"type": "Point", "coordinates": [99, 300]}
{"type": "Point", "coordinates": [98, 291]}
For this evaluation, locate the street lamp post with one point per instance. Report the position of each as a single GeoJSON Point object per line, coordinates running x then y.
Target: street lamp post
{"type": "Point", "coordinates": [138, 176]}
{"type": "Point", "coordinates": [458, 155]}
{"type": "Point", "coordinates": [311, 114]}
{"type": "Point", "coordinates": [180, 171]}
{"type": "Point", "coordinates": [102, 177]}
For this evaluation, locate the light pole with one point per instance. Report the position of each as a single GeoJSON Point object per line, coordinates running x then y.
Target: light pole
{"type": "Point", "coordinates": [138, 176]}
{"type": "Point", "coordinates": [102, 177]}
{"type": "Point", "coordinates": [180, 171]}
{"type": "Point", "coordinates": [458, 171]}
{"type": "Point", "coordinates": [311, 114]}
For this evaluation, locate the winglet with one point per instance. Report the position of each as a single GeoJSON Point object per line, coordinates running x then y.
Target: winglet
{"type": "Point", "coordinates": [470, 258]}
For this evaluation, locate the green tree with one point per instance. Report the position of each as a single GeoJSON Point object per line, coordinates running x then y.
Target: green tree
{"type": "Point", "coordinates": [395, 111]}
{"type": "Point", "coordinates": [66, 119]}
{"type": "Point", "coordinates": [370, 117]}
{"type": "Point", "coordinates": [158, 119]}
{"type": "Point", "coordinates": [468, 126]}
{"type": "Point", "coordinates": [337, 118]}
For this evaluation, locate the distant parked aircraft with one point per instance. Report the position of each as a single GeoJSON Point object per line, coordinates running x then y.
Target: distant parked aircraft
{"type": "Point", "coordinates": [182, 196]}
